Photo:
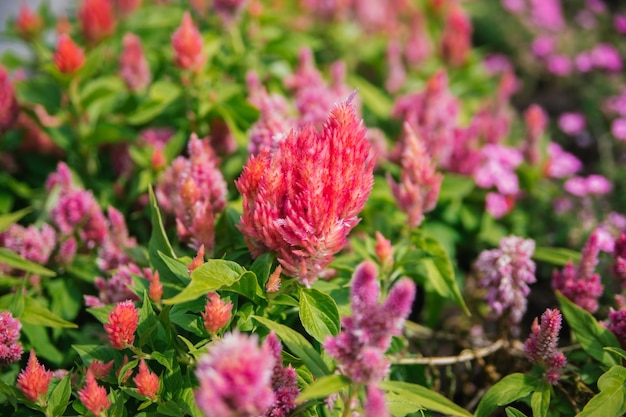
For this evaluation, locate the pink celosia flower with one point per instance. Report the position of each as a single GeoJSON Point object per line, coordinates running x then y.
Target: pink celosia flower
{"type": "Point", "coordinates": [375, 405]}
{"type": "Point", "coordinates": [536, 122]}
{"type": "Point", "coordinates": [236, 378]}
{"type": "Point", "coordinates": [30, 242]}
{"type": "Point", "coordinates": [68, 57]}
{"type": "Point", "coordinates": [541, 346]}
{"type": "Point", "coordinates": [514, 6]}
{"type": "Point", "coordinates": [572, 123]}
{"type": "Point", "coordinates": [604, 56]}
{"type": "Point", "coordinates": [384, 251]}
{"type": "Point", "coordinates": [302, 202]}
{"type": "Point", "coordinates": [34, 380]}
{"type": "Point", "coordinates": [96, 20]}
{"type": "Point", "coordinates": [396, 75]}
{"type": "Point", "coordinates": [195, 191]}
{"type": "Point", "coordinates": [284, 382]}
{"type": "Point", "coordinates": [228, 9]}
{"type": "Point", "coordinates": [100, 369]}
{"type": "Point", "coordinates": [28, 24]}
{"type": "Point", "coordinates": [273, 282]}
{"type": "Point", "coordinates": [456, 39]}
{"type": "Point", "coordinates": [419, 185]}
{"type": "Point", "coordinates": [147, 382]}
{"type": "Point", "coordinates": [117, 288]}
{"type": "Point", "coordinates": [618, 128]}
{"type": "Point", "coordinates": [134, 68]}
{"type": "Point", "coordinates": [499, 205]}
{"type": "Point", "coordinates": [418, 46]}
{"type": "Point", "coordinates": [542, 46]}
{"type": "Point", "coordinates": [583, 62]}
{"type": "Point", "coordinates": [126, 7]}
{"type": "Point", "coordinates": [498, 169]}
{"type": "Point", "coordinates": [10, 346]}
{"type": "Point", "coordinates": [187, 45]}
{"type": "Point", "coordinates": [619, 255]}
{"type": "Point", "coordinates": [122, 324]}
{"type": "Point", "coordinates": [547, 14]}
{"type": "Point", "coordinates": [619, 23]}
{"type": "Point", "coordinates": [561, 164]}
{"type": "Point", "coordinates": [617, 324]}
{"type": "Point", "coordinates": [559, 65]}
{"type": "Point", "coordinates": [360, 347]}
{"type": "Point", "coordinates": [580, 284]}
{"type": "Point", "coordinates": [497, 63]}
{"type": "Point", "coordinates": [9, 107]}
{"type": "Point", "coordinates": [217, 313]}
{"type": "Point", "coordinates": [94, 397]}
{"type": "Point", "coordinates": [506, 273]}
{"type": "Point", "coordinates": [155, 290]}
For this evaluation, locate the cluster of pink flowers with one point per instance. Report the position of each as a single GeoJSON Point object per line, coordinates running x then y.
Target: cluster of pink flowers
{"type": "Point", "coordinates": [10, 346]}
{"type": "Point", "coordinates": [302, 201]}
{"type": "Point", "coordinates": [506, 273]}
{"type": "Point", "coordinates": [33, 243]}
{"type": "Point", "coordinates": [592, 185]}
{"type": "Point", "coordinates": [359, 348]}
{"type": "Point", "coordinates": [541, 346]}
{"type": "Point", "coordinates": [619, 264]}
{"type": "Point", "coordinates": [561, 164]}
{"type": "Point", "coordinates": [284, 382]}
{"type": "Point", "coordinates": [9, 107]}
{"type": "Point", "coordinates": [194, 190]}
{"type": "Point", "coordinates": [581, 284]}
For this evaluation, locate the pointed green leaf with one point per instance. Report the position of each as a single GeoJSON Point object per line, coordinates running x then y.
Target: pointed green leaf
{"type": "Point", "coordinates": [556, 256]}
{"type": "Point", "coordinates": [14, 260]}
{"type": "Point", "coordinates": [514, 412]}
{"type": "Point", "coordinates": [424, 398]}
{"type": "Point", "coordinates": [7, 220]}
{"type": "Point", "coordinates": [509, 389]}
{"type": "Point", "coordinates": [540, 400]}
{"type": "Point", "coordinates": [611, 400]}
{"type": "Point", "coordinates": [35, 313]}
{"type": "Point", "coordinates": [323, 387]}
{"type": "Point", "coordinates": [59, 398]}
{"type": "Point", "coordinates": [159, 242]}
{"type": "Point", "coordinates": [319, 314]}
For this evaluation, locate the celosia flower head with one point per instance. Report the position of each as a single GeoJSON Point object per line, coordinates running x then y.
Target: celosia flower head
{"type": "Point", "coordinates": [96, 20]}
{"type": "Point", "coordinates": [122, 324]}
{"type": "Point", "coordinates": [187, 45]}
{"type": "Point", "coordinates": [284, 382]}
{"type": "Point", "coordinates": [68, 57]}
{"type": "Point", "coordinates": [147, 382]}
{"type": "Point", "coordinates": [375, 405]}
{"type": "Point", "coordinates": [126, 7]}
{"type": "Point", "coordinates": [10, 346]}
{"type": "Point", "coordinates": [506, 273]}
{"type": "Point", "coordinates": [100, 369]}
{"type": "Point", "coordinates": [619, 255]}
{"type": "Point", "coordinates": [457, 37]}
{"type": "Point", "coordinates": [302, 201]}
{"type": "Point", "coordinates": [34, 380]}
{"type": "Point", "coordinates": [134, 68]}
{"type": "Point", "coordinates": [561, 164]}
{"type": "Point", "coordinates": [236, 378]}
{"type": "Point", "coordinates": [536, 122]}
{"type": "Point", "coordinates": [28, 23]}
{"type": "Point", "coordinates": [541, 346]}
{"type": "Point", "coordinates": [94, 397]}
{"type": "Point", "coordinates": [9, 107]}
{"type": "Point", "coordinates": [217, 313]}
{"type": "Point", "coordinates": [572, 123]}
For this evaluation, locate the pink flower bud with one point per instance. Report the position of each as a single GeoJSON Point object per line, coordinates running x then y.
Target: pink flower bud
{"type": "Point", "coordinates": [147, 382]}
{"type": "Point", "coordinates": [34, 380]}
{"type": "Point", "coordinates": [122, 324]}
{"type": "Point", "coordinates": [96, 20]}
{"type": "Point", "coordinates": [541, 346]}
{"type": "Point", "coordinates": [217, 313]}
{"type": "Point", "coordinates": [93, 396]}
{"type": "Point", "coordinates": [68, 57]}
{"type": "Point", "coordinates": [9, 107]}
{"type": "Point", "coordinates": [134, 68]}
{"type": "Point", "coordinates": [28, 24]}
{"type": "Point", "coordinates": [187, 45]}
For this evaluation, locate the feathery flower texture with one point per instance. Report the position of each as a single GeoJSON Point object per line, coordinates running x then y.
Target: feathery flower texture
{"type": "Point", "coordinates": [94, 397]}
{"type": "Point", "coordinates": [147, 382]}
{"type": "Point", "coordinates": [9, 107]}
{"type": "Point", "coordinates": [360, 347]}
{"type": "Point", "coordinates": [302, 201]}
{"type": "Point", "coordinates": [10, 346]}
{"type": "Point", "coordinates": [34, 380]}
{"type": "Point", "coordinates": [217, 313]}
{"type": "Point", "coordinates": [506, 273]}
{"type": "Point", "coordinates": [96, 20]}
{"type": "Point", "coordinates": [122, 324]}
{"type": "Point", "coordinates": [187, 45]}
{"type": "Point", "coordinates": [68, 57]}
{"type": "Point", "coordinates": [134, 68]}
{"type": "Point", "coordinates": [284, 382]}
{"type": "Point", "coordinates": [541, 346]}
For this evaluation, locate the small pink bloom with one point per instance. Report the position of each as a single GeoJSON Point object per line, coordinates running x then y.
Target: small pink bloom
{"type": "Point", "coordinates": [94, 397]}
{"type": "Point", "coordinates": [572, 123]}
{"type": "Point", "coordinates": [147, 382]}
{"type": "Point", "coordinates": [547, 14]}
{"type": "Point", "coordinates": [536, 123]}
{"type": "Point", "coordinates": [217, 313]}
{"type": "Point", "coordinates": [375, 405]}
{"type": "Point", "coordinates": [497, 63]}
{"type": "Point", "coordinates": [96, 20]}
{"type": "Point", "coordinates": [618, 128]}
{"type": "Point", "coordinates": [499, 205]}
{"type": "Point", "coordinates": [100, 369]}
{"type": "Point", "coordinates": [68, 57]}
{"type": "Point", "coordinates": [122, 324]}
{"type": "Point", "coordinates": [134, 68]}
{"type": "Point", "coordinates": [273, 282]}
{"type": "Point", "coordinates": [597, 184]}
{"type": "Point", "coordinates": [187, 45]}
{"type": "Point", "coordinates": [541, 346]}
{"type": "Point", "coordinates": [619, 22]}
{"type": "Point", "coordinates": [583, 62]}
{"type": "Point", "coordinates": [606, 57]}
{"type": "Point", "coordinates": [559, 65]}
{"type": "Point", "coordinates": [28, 24]}
{"type": "Point", "coordinates": [34, 380]}
{"type": "Point", "coordinates": [514, 6]}
{"type": "Point", "coordinates": [576, 186]}
{"type": "Point", "coordinates": [284, 381]}
{"type": "Point", "coordinates": [9, 107]}
{"type": "Point", "coordinates": [561, 164]}
{"type": "Point", "coordinates": [384, 250]}
{"type": "Point", "coordinates": [542, 46]}
{"type": "Point", "coordinates": [10, 346]}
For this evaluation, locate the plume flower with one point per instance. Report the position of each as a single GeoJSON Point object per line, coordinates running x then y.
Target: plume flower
{"type": "Point", "coordinates": [617, 324]}
{"type": "Point", "coordinates": [94, 397]}
{"type": "Point", "coordinates": [155, 290]}
{"type": "Point", "coordinates": [284, 382]}
{"type": "Point", "coordinates": [9, 107]}
{"type": "Point", "coordinates": [100, 369]}
{"type": "Point", "coordinates": [68, 57]}
{"type": "Point", "coordinates": [561, 164]}
{"type": "Point", "coordinates": [536, 123]}
{"type": "Point", "coordinates": [419, 186]}
{"type": "Point", "coordinates": [236, 378]}
{"type": "Point", "coordinates": [619, 263]}
{"type": "Point", "coordinates": [456, 40]}
{"type": "Point", "coordinates": [187, 45]}
{"type": "Point", "coordinates": [34, 380]}
{"type": "Point", "coordinates": [32, 243]}
{"type": "Point", "coordinates": [96, 20]}
{"type": "Point", "coordinates": [360, 347]}
{"type": "Point", "coordinates": [147, 382]}
{"type": "Point", "coordinates": [384, 251]}
{"type": "Point", "coordinates": [541, 346]}
{"type": "Point", "coordinates": [217, 313]}
{"type": "Point", "coordinates": [134, 68]}
{"type": "Point", "coordinates": [506, 273]}
{"type": "Point", "coordinates": [122, 324]}
{"type": "Point", "coordinates": [302, 201]}
{"type": "Point", "coordinates": [375, 405]}
{"type": "Point", "coordinates": [10, 346]}
{"type": "Point", "coordinates": [28, 23]}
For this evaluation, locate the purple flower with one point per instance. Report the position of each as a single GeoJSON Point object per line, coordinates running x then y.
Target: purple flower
{"type": "Point", "coordinates": [542, 46]}
{"type": "Point", "coordinates": [360, 347]}
{"type": "Point", "coordinates": [498, 168]}
{"type": "Point", "coordinates": [593, 184]}
{"type": "Point", "coordinates": [561, 164]}
{"type": "Point", "coordinates": [572, 123]}
{"type": "Point", "coordinates": [547, 14]}
{"type": "Point", "coordinates": [583, 62]}
{"type": "Point", "coordinates": [498, 205]}
{"type": "Point", "coordinates": [618, 128]}
{"type": "Point", "coordinates": [605, 56]}
{"type": "Point", "coordinates": [559, 65]}
{"type": "Point", "coordinates": [619, 22]}
{"type": "Point", "coordinates": [506, 272]}
{"type": "Point", "coordinates": [619, 256]}
{"type": "Point", "coordinates": [541, 346]}
{"type": "Point", "coordinates": [10, 346]}
{"type": "Point", "coordinates": [236, 377]}
{"type": "Point", "coordinates": [284, 382]}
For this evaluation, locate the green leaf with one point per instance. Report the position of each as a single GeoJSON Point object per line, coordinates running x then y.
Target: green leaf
{"type": "Point", "coordinates": [373, 98]}
{"type": "Point", "coordinates": [617, 351]}
{"type": "Point", "coordinates": [103, 353]}
{"type": "Point", "coordinates": [37, 314]}
{"type": "Point", "coordinates": [262, 266]}
{"type": "Point", "coordinates": [456, 187]}
{"type": "Point", "coordinates": [298, 345]}
{"type": "Point", "coordinates": [176, 267]}
{"type": "Point", "coordinates": [13, 260]}
{"type": "Point", "coordinates": [211, 276]}
{"type": "Point", "coordinates": [59, 398]}
{"type": "Point", "coordinates": [398, 406]}
{"type": "Point", "coordinates": [160, 95]}
{"type": "Point", "coordinates": [159, 243]}
{"type": "Point", "coordinates": [514, 412]}
{"type": "Point", "coordinates": [556, 256]}
{"type": "Point", "coordinates": [424, 398]}
{"type": "Point", "coordinates": [592, 336]}
{"type": "Point", "coordinates": [247, 285]}
{"type": "Point", "coordinates": [8, 219]}
{"type": "Point", "coordinates": [540, 400]}
{"type": "Point", "coordinates": [319, 314]}
{"type": "Point", "coordinates": [323, 387]}
{"type": "Point", "coordinates": [611, 400]}
{"type": "Point", "coordinates": [509, 389]}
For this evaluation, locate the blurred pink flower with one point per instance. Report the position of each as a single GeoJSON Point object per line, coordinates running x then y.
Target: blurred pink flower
{"type": "Point", "coordinates": [33, 243]}
{"type": "Point", "coordinates": [28, 24]}
{"type": "Point", "coordinates": [542, 46]}
{"type": "Point", "coordinates": [284, 382]}
{"type": "Point", "coordinates": [68, 57]}
{"type": "Point", "coordinates": [559, 65]}
{"type": "Point", "coordinates": [99, 369]}
{"type": "Point", "coordinates": [34, 380]}
{"type": "Point", "coordinates": [498, 169]}
{"type": "Point", "coordinates": [228, 9]}
{"type": "Point", "coordinates": [134, 68]}
{"type": "Point", "coordinates": [9, 107]}
{"type": "Point", "coordinates": [593, 184]}
{"type": "Point", "coordinates": [536, 122]}
{"type": "Point", "coordinates": [497, 63]}
{"type": "Point", "coordinates": [456, 39]}
{"type": "Point", "coordinates": [499, 205]}
{"type": "Point", "coordinates": [10, 346]}
{"type": "Point", "coordinates": [302, 201]}
{"type": "Point", "coordinates": [187, 45]}
{"type": "Point", "coordinates": [126, 7]}
{"type": "Point", "coordinates": [547, 14]}
{"type": "Point", "coordinates": [396, 74]}
{"type": "Point", "coordinates": [606, 57]}
{"type": "Point", "coordinates": [618, 128]}
{"type": "Point", "coordinates": [514, 6]}
{"type": "Point", "coordinates": [572, 123]}
{"type": "Point", "coordinates": [561, 164]}
{"type": "Point", "coordinates": [619, 263]}
{"type": "Point", "coordinates": [617, 324]}
{"type": "Point", "coordinates": [583, 62]}
{"type": "Point", "coordinates": [96, 20]}
{"type": "Point", "coordinates": [93, 396]}
{"type": "Point", "coordinates": [541, 346]}
{"type": "Point", "coordinates": [619, 22]}
{"type": "Point", "coordinates": [375, 405]}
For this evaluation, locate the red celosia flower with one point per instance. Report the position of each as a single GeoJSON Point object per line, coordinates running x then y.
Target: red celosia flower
{"type": "Point", "coordinates": [197, 260]}
{"type": "Point", "coordinates": [302, 201]}
{"type": "Point", "coordinates": [96, 20]}
{"type": "Point", "coordinates": [34, 380]}
{"type": "Point", "coordinates": [28, 24]}
{"type": "Point", "coordinates": [187, 45]}
{"type": "Point", "coordinates": [147, 382]}
{"type": "Point", "coordinates": [68, 56]}
{"type": "Point", "coordinates": [94, 397]}
{"type": "Point", "coordinates": [122, 324]}
{"type": "Point", "coordinates": [384, 251]}
{"type": "Point", "coordinates": [457, 37]}
{"type": "Point", "coordinates": [9, 108]}
{"type": "Point", "coordinates": [126, 7]}
{"type": "Point", "coordinates": [217, 313]}
{"type": "Point", "coordinates": [100, 369]}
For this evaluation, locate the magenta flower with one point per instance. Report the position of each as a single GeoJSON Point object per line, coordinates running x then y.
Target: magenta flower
{"type": "Point", "coordinates": [302, 201]}
{"type": "Point", "coordinates": [506, 273]}
{"type": "Point", "coordinates": [375, 405]}
{"type": "Point", "coordinates": [604, 56]}
{"type": "Point", "coordinates": [617, 324]}
{"type": "Point", "coordinates": [619, 263]}
{"type": "Point", "coordinates": [32, 243]}
{"type": "Point", "coordinates": [583, 62]}
{"type": "Point", "coordinates": [593, 184]}
{"type": "Point", "coordinates": [572, 123]}
{"type": "Point", "coordinates": [498, 169]}
{"type": "Point", "coordinates": [284, 382]}
{"type": "Point", "coordinates": [359, 348]}
{"type": "Point", "coordinates": [559, 65]}
{"type": "Point", "coordinates": [619, 22]}
{"type": "Point", "coordinates": [134, 68]}
{"type": "Point", "coordinates": [542, 46]}
{"type": "Point", "coordinates": [580, 284]}
{"type": "Point", "coordinates": [547, 14]}
{"type": "Point", "coordinates": [561, 164]}
{"type": "Point", "coordinates": [419, 185]}
{"type": "Point", "coordinates": [499, 205]}
{"type": "Point", "coordinates": [618, 128]}
{"type": "Point", "coordinates": [541, 346]}
{"type": "Point", "coordinates": [9, 108]}
{"type": "Point", "coordinates": [456, 39]}
{"type": "Point", "coordinates": [514, 6]}
{"type": "Point", "coordinates": [236, 377]}
{"type": "Point", "coordinates": [536, 122]}
{"type": "Point", "coordinates": [10, 347]}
